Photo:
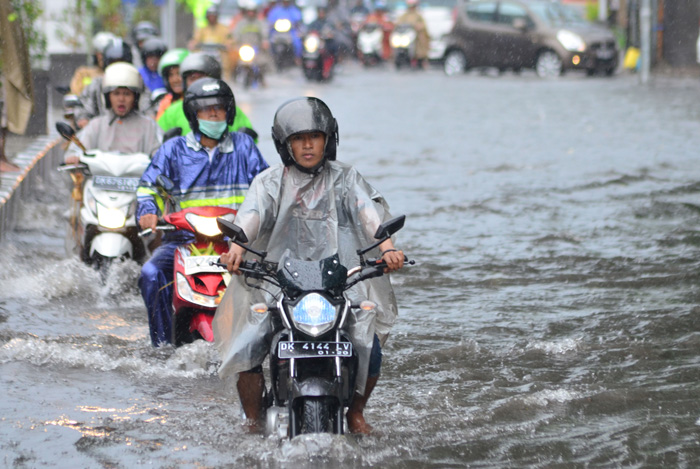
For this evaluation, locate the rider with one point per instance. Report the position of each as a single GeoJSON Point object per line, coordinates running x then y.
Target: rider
{"type": "Point", "coordinates": [195, 66]}
{"type": "Point", "coordinates": [252, 30]}
{"type": "Point", "coordinates": [122, 128]}
{"type": "Point", "coordinates": [215, 33]}
{"type": "Point", "coordinates": [380, 17]}
{"type": "Point", "coordinates": [210, 166]}
{"type": "Point", "coordinates": [415, 19]}
{"type": "Point", "coordinates": [84, 75]}
{"type": "Point", "coordinates": [169, 69]}
{"type": "Point", "coordinates": [142, 31]}
{"type": "Point", "coordinates": [316, 207]}
{"type": "Point", "coordinates": [287, 10]}
{"type": "Point", "coordinates": [92, 96]}
{"type": "Point", "coordinates": [152, 51]}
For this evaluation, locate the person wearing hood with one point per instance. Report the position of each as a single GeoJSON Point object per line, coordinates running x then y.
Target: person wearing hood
{"type": "Point", "coordinates": [122, 127]}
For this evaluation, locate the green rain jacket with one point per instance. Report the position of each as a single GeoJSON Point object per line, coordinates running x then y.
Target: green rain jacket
{"type": "Point", "coordinates": [174, 116]}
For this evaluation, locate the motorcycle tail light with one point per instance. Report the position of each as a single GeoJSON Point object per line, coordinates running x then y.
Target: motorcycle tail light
{"type": "Point", "coordinates": [246, 53]}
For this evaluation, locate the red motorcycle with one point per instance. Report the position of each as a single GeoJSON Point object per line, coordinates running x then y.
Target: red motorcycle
{"type": "Point", "coordinates": [199, 284]}
{"type": "Point", "coordinates": [318, 61]}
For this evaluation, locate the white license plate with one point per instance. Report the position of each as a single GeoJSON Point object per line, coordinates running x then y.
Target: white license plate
{"type": "Point", "coordinates": [314, 349]}
{"type": "Point", "coordinates": [116, 183]}
{"type": "Point", "coordinates": [199, 264]}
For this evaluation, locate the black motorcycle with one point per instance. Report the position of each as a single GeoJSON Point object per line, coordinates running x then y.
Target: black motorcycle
{"type": "Point", "coordinates": [313, 360]}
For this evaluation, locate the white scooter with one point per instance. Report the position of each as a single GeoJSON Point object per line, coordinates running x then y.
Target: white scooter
{"type": "Point", "coordinates": [369, 43]}
{"type": "Point", "coordinates": [105, 227]}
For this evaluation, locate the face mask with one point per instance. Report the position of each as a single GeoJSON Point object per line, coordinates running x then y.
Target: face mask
{"type": "Point", "coordinates": [212, 129]}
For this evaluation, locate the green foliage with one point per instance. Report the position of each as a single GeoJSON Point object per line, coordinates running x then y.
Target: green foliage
{"type": "Point", "coordinates": [146, 11]}
{"type": "Point", "coordinates": [592, 11]}
{"type": "Point", "coordinates": [28, 12]}
{"type": "Point", "coordinates": [109, 17]}
{"type": "Point", "coordinates": [77, 31]}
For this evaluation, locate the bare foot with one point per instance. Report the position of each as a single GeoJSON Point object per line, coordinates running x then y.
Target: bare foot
{"type": "Point", "coordinates": [252, 426]}
{"type": "Point", "coordinates": [357, 424]}
{"type": "Point", "coordinates": [6, 166]}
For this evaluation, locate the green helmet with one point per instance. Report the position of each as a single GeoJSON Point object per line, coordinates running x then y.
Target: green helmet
{"type": "Point", "coordinates": [170, 59]}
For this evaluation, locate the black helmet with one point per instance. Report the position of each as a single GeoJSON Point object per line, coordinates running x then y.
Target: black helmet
{"type": "Point", "coordinates": [117, 51]}
{"type": "Point", "coordinates": [304, 115]}
{"type": "Point", "coordinates": [153, 46]}
{"type": "Point", "coordinates": [143, 30]}
{"type": "Point", "coordinates": [199, 62]}
{"type": "Point", "coordinates": [207, 92]}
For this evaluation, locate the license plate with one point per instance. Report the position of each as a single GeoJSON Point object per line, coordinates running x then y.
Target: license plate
{"type": "Point", "coordinates": [116, 183]}
{"type": "Point", "coordinates": [314, 349]}
{"type": "Point", "coordinates": [311, 63]}
{"type": "Point", "coordinates": [199, 264]}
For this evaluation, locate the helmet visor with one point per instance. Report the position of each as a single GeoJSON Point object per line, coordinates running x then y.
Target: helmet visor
{"type": "Point", "coordinates": [204, 103]}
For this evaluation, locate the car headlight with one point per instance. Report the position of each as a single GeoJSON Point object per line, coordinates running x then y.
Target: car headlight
{"type": "Point", "coordinates": [186, 292]}
{"type": "Point", "coordinates": [571, 41]}
{"type": "Point", "coordinates": [314, 315]}
{"type": "Point", "coordinates": [311, 44]}
{"type": "Point", "coordinates": [246, 53]}
{"type": "Point", "coordinates": [283, 25]}
{"type": "Point", "coordinates": [111, 217]}
{"type": "Point", "coordinates": [203, 225]}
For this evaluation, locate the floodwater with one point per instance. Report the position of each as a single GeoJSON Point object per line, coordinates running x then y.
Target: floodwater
{"type": "Point", "coordinates": [551, 319]}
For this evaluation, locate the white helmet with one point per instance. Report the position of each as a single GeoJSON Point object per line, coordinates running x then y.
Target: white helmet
{"type": "Point", "coordinates": [247, 4]}
{"type": "Point", "coordinates": [122, 75]}
{"type": "Point", "coordinates": [101, 40]}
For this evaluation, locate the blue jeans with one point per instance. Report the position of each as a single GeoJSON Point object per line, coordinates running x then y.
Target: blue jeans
{"type": "Point", "coordinates": [155, 275]}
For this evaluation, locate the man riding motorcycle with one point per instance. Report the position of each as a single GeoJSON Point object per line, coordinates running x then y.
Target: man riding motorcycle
{"type": "Point", "coordinates": [151, 52]}
{"type": "Point", "coordinates": [215, 33]}
{"type": "Point", "coordinates": [253, 31]}
{"type": "Point", "coordinates": [169, 69]}
{"type": "Point", "coordinates": [210, 166]}
{"type": "Point", "coordinates": [193, 67]}
{"type": "Point", "coordinates": [315, 207]}
{"type": "Point", "coordinates": [287, 10]}
{"type": "Point", "coordinates": [84, 75]}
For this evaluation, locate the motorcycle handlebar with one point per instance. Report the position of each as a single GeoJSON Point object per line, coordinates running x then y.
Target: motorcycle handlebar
{"type": "Point", "coordinates": [148, 231]}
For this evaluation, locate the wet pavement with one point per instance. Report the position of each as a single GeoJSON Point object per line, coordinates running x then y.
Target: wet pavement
{"type": "Point", "coordinates": [551, 319]}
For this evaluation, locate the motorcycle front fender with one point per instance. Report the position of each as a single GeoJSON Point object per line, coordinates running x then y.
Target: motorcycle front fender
{"type": "Point", "coordinates": [110, 244]}
{"type": "Point", "coordinates": [315, 387]}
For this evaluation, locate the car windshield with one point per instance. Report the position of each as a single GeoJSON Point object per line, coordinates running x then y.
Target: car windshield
{"type": "Point", "coordinates": [557, 14]}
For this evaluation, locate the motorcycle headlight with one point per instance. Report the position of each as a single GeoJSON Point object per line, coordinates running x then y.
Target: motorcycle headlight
{"type": "Point", "coordinates": [571, 41]}
{"type": "Point", "coordinates": [111, 217]}
{"type": "Point", "coordinates": [186, 292]}
{"type": "Point", "coordinates": [311, 44]}
{"type": "Point", "coordinates": [314, 315]}
{"type": "Point", "coordinates": [203, 225]}
{"type": "Point", "coordinates": [399, 40]}
{"type": "Point", "coordinates": [283, 25]}
{"type": "Point", "coordinates": [246, 53]}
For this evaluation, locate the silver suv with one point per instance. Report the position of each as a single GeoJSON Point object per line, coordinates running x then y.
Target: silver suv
{"type": "Point", "coordinates": [516, 34]}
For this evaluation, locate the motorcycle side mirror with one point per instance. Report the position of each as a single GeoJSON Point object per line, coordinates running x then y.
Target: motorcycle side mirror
{"type": "Point", "coordinates": [165, 184]}
{"type": "Point", "coordinates": [68, 133]}
{"type": "Point", "coordinates": [390, 227]}
{"type": "Point", "coordinates": [233, 231]}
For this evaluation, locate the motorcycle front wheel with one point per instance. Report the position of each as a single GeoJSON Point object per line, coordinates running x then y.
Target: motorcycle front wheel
{"type": "Point", "coordinates": [318, 415]}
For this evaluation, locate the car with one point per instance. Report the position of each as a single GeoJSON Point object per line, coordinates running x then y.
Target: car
{"type": "Point", "coordinates": [515, 34]}
{"type": "Point", "coordinates": [439, 19]}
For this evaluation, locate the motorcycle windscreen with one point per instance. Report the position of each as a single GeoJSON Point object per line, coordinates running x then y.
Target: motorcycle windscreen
{"type": "Point", "coordinates": [299, 276]}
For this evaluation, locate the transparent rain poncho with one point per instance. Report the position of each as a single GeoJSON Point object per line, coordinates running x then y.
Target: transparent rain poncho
{"type": "Point", "coordinates": [314, 216]}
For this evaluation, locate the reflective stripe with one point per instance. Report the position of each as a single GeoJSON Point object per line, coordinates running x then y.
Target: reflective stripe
{"type": "Point", "coordinates": [218, 202]}
{"type": "Point", "coordinates": [144, 191]}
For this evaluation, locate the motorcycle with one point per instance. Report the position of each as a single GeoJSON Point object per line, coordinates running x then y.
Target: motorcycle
{"type": "Point", "coordinates": [317, 60]}
{"type": "Point", "coordinates": [198, 284]}
{"type": "Point", "coordinates": [71, 102]}
{"type": "Point", "coordinates": [403, 41]}
{"type": "Point", "coordinates": [313, 360]}
{"type": "Point", "coordinates": [281, 43]}
{"type": "Point", "coordinates": [104, 194]}
{"type": "Point", "coordinates": [369, 43]}
{"type": "Point", "coordinates": [248, 68]}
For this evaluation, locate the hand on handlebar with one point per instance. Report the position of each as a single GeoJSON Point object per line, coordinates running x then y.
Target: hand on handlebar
{"type": "Point", "coordinates": [149, 220]}
{"type": "Point", "coordinates": [233, 259]}
{"type": "Point", "coordinates": [394, 260]}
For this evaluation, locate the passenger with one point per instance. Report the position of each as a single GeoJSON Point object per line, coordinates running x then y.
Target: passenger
{"type": "Point", "coordinates": [211, 166]}
{"type": "Point", "coordinates": [122, 128]}
{"type": "Point", "coordinates": [193, 67]}
{"type": "Point", "coordinates": [84, 75]}
{"type": "Point", "coordinates": [169, 69]}
{"type": "Point", "coordinates": [316, 207]}
{"type": "Point", "coordinates": [151, 52]}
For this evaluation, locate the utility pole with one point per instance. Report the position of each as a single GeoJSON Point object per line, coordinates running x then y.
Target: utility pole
{"type": "Point", "coordinates": [645, 39]}
{"type": "Point", "coordinates": [168, 23]}
{"type": "Point", "coordinates": [603, 11]}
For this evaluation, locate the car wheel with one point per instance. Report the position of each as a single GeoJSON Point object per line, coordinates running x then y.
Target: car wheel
{"type": "Point", "coordinates": [455, 63]}
{"type": "Point", "coordinates": [549, 64]}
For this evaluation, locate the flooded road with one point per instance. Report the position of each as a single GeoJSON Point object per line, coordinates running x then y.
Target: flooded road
{"type": "Point", "coordinates": [551, 320]}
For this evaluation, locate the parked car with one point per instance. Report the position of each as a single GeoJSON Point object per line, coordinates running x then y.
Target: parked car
{"type": "Point", "coordinates": [516, 34]}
